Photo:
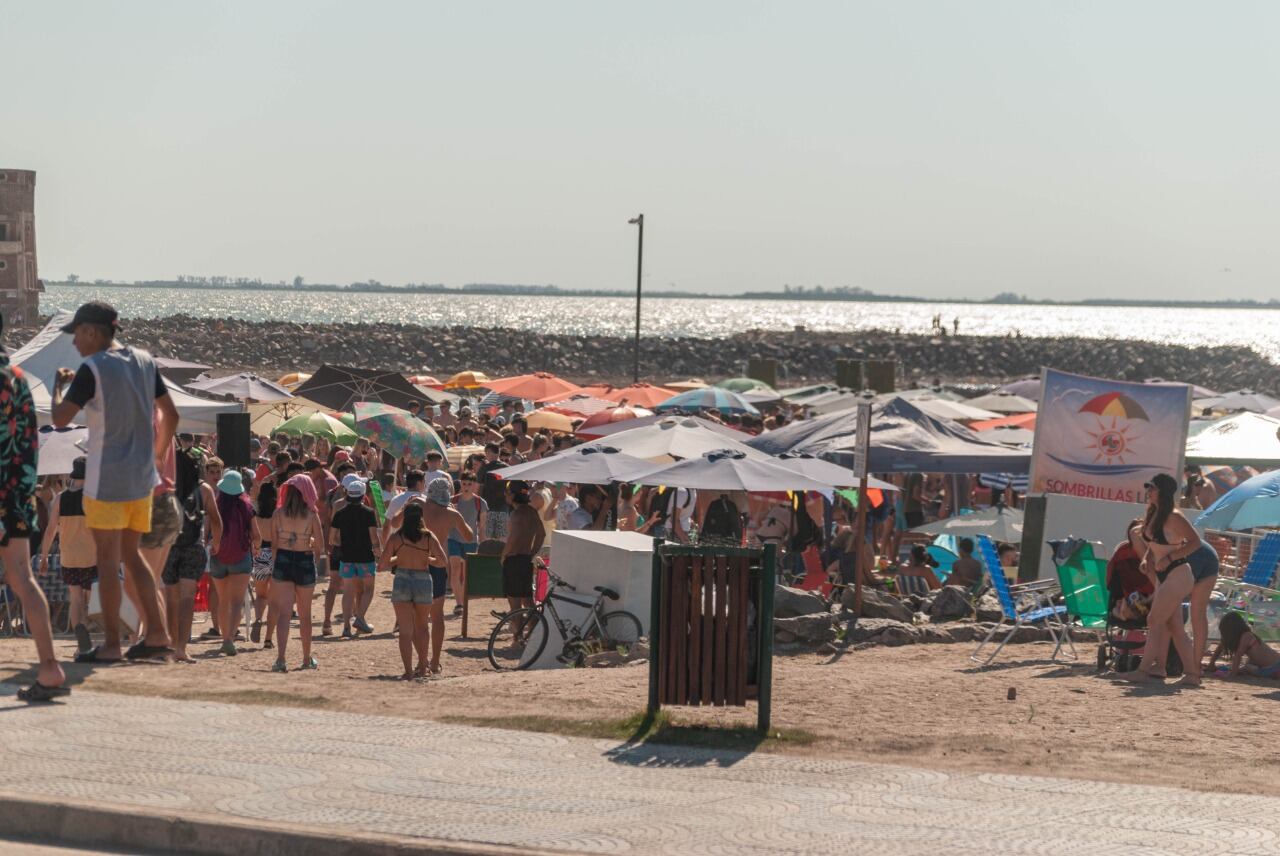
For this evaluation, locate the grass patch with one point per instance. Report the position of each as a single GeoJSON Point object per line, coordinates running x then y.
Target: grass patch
{"type": "Point", "coordinates": [643, 728]}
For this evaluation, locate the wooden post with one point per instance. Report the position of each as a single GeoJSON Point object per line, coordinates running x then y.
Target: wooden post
{"type": "Point", "coordinates": [764, 638]}
{"type": "Point", "coordinates": [655, 630]}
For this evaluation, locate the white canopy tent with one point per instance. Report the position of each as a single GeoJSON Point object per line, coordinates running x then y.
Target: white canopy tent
{"type": "Point", "coordinates": [51, 349]}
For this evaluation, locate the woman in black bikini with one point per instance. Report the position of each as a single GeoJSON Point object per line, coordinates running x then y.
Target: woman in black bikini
{"type": "Point", "coordinates": [411, 552]}
{"type": "Point", "coordinates": [1183, 567]}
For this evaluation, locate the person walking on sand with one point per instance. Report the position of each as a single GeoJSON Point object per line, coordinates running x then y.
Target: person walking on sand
{"type": "Point", "coordinates": [18, 432]}
{"type": "Point", "coordinates": [411, 553]}
{"type": "Point", "coordinates": [524, 539]}
{"type": "Point", "coordinates": [231, 563]}
{"type": "Point", "coordinates": [119, 388]}
{"type": "Point", "coordinates": [79, 571]}
{"type": "Point", "coordinates": [440, 518]}
{"type": "Point", "coordinates": [297, 548]}
{"type": "Point", "coordinates": [473, 510]}
{"type": "Point", "coordinates": [355, 533]}
{"type": "Point", "coordinates": [1183, 568]}
{"type": "Point", "coordinates": [189, 556]}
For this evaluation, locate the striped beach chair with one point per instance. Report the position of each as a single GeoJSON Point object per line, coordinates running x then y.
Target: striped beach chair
{"type": "Point", "coordinates": [1038, 611]}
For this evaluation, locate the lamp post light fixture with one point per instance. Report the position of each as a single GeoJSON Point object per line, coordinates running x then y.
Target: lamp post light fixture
{"type": "Point", "coordinates": [638, 220]}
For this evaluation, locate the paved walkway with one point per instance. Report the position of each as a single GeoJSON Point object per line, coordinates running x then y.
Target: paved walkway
{"type": "Point", "coordinates": [341, 773]}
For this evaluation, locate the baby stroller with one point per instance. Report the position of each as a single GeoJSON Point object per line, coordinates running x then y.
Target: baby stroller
{"type": "Point", "coordinates": [1126, 632]}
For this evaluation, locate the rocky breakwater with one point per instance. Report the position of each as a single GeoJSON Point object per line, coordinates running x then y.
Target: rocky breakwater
{"type": "Point", "coordinates": [280, 346]}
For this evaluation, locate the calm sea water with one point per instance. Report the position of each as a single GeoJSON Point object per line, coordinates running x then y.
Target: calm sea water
{"type": "Point", "coordinates": [688, 317]}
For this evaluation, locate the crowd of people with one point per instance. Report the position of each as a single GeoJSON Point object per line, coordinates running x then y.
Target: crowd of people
{"type": "Point", "coordinates": [166, 510]}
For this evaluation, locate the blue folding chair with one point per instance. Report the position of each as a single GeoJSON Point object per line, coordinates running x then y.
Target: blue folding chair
{"type": "Point", "coordinates": [1252, 595]}
{"type": "Point", "coordinates": [1262, 564]}
{"type": "Point", "coordinates": [1041, 611]}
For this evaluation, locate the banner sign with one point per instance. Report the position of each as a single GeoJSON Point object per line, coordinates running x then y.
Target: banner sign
{"type": "Point", "coordinates": [1103, 439]}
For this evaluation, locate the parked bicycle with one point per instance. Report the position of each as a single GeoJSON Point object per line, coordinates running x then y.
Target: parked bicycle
{"type": "Point", "coordinates": [521, 636]}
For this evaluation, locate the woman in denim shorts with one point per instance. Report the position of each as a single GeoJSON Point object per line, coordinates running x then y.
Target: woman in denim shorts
{"type": "Point", "coordinates": [230, 563]}
{"type": "Point", "coordinates": [411, 552]}
{"type": "Point", "coordinates": [297, 544]}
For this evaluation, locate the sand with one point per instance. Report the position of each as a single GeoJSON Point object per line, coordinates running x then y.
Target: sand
{"type": "Point", "coordinates": [923, 705]}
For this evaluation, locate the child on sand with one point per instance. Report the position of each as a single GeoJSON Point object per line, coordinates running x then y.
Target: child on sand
{"type": "Point", "coordinates": [1241, 643]}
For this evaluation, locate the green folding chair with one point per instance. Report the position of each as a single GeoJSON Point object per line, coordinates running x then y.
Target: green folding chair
{"type": "Point", "coordinates": [1083, 579]}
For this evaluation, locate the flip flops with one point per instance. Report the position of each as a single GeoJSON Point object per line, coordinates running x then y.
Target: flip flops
{"type": "Point", "coordinates": [143, 651]}
{"type": "Point", "coordinates": [92, 656]}
{"type": "Point", "coordinates": [39, 692]}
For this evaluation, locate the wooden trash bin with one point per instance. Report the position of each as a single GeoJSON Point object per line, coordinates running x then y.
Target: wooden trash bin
{"type": "Point", "coordinates": [711, 627]}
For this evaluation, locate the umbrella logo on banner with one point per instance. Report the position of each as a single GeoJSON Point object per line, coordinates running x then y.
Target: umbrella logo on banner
{"type": "Point", "coordinates": [1112, 439]}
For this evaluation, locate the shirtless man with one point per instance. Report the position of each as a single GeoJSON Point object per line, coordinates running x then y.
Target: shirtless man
{"type": "Point", "coordinates": [440, 517]}
{"type": "Point", "coordinates": [525, 535]}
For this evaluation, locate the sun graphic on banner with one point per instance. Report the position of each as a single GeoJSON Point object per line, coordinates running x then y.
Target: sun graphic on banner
{"type": "Point", "coordinates": [1111, 443]}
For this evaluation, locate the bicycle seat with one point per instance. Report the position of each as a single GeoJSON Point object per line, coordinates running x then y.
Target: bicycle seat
{"type": "Point", "coordinates": [608, 592]}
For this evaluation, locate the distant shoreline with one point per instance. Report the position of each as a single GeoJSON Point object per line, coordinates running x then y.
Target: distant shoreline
{"type": "Point", "coordinates": [834, 296]}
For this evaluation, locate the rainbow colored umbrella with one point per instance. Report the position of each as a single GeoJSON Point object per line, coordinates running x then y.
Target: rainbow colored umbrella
{"type": "Point", "coordinates": [398, 431]}
{"type": "Point", "coordinates": [316, 425]}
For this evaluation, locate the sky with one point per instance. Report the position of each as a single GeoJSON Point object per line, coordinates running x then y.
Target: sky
{"type": "Point", "coordinates": [938, 149]}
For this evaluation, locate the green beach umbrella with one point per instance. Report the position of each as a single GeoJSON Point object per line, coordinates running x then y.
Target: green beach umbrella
{"type": "Point", "coordinates": [317, 425]}
{"type": "Point", "coordinates": [398, 431]}
{"type": "Point", "coordinates": [745, 384]}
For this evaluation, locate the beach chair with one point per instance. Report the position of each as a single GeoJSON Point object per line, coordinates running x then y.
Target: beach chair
{"type": "Point", "coordinates": [1083, 579]}
{"type": "Point", "coordinates": [911, 584]}
{"type": "Point", "coordinates": [1040, 610]}
{"type": "Point", "coordinates": [815, 575]}
{"type": "Point", "coordinates": [1252, 595]}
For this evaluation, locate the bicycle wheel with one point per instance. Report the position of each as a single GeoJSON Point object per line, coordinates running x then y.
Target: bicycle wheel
{"type": "Point", "coordinates": [620, 629]}
{"type": "Point", "coordinates": [506, 652]}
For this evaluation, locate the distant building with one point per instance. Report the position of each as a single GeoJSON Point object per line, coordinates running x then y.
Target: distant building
{"type": "Point", "coordinates": [20, 284]}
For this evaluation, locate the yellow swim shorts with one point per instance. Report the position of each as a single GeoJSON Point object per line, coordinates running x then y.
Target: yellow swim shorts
{"type": "Point", "coordinates": [134, 515]}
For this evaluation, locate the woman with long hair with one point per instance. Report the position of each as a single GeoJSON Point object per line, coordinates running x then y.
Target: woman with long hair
{"type": "Point", "coordinates": [411, 553]}
{"type": "Point", "coordinates": [1183, 567]}
{"type": "Point", "coordinates": [297, 548]}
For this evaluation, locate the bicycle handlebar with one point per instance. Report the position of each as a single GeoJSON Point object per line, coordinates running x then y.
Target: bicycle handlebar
{"type": "Point", "coordinates": [559, 582]}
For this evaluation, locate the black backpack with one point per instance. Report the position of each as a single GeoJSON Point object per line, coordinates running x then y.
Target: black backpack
{"type": "Point", "coordinates": [807, 532]}
{"type": "Point", "coordinates": [723, 521]}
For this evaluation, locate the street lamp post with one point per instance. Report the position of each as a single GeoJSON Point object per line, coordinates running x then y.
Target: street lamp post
{"type": "Point", "coordinates": [638, 220]}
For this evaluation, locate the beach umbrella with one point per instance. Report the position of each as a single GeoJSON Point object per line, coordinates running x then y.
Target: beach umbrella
{"type": "Point", "coordinates": [398, 431]}
{"type": "Point", "coordinates": [999, 522]}
{"type": "Point", "coordinates": [243, 386]}
{"type": "Point", "coordinates": [59, 447]}
{"type": "Point", "coordinates": [580, 465]}
{"type": "Point", "coordinates": [583, 405]}
{"type": "Point", "coordinates": [317, 425]}
{"type": "Point", "coordinates": [1252, 503]}
{"type": "Point", "coordinates": [798, 394]}
{"type": "Point", "coordinates": [1020, 482]}
{"type": "Point", "coordinates": [1240, 399]}
{"type": "Point", "coordinates": [455, 455]}
{"type": "Point", "coordinates": [264, 417]}
{"type": "Point", "coordinates": [1197, 391]}
{"type": "Point", "coordinates": [1009, 435]}
{"type": "Point", "coordinates": [745, 384]}
{"type": "Point", "coordinates": [919, 392]}
{"type": "Point", "coordinates": [550, 420]}
{"type": "Point", "coordinates": [686, 385]}
{"type": "Point", "coordinates": [653, 418]}
{"type": "Point", "coordinates": [292, 379]}
{"type": "Point", "coordinates": [827, 472]}
{"type": "Point", "coordinates": [1246, 438]}
{"type": "Point", "coordinates": [673, 437]}
{"type": "Point", "coordinates": [609, 417]}
{"type": "Point", "coordinates": [424, 380]}
{"type": "Point", "coordinates": [1027, 387]}
{"type": "Point", "coordinates": [711, 398]}
{"type": "Point", "coordinates": [539, 386]}
{"type": "Point", "coordinates": [640, 395]}
{"type": "Point", "coordinates": [941, 408]}
{"type": "Point", "coordinates": [1016, 420]}
{"type": "Point", "coordinates": [468, 380]}
{"type": "Point", "coordinates": [340, 387]}
{"type": "Point", "coordinates": [730, 469]}
{"type": "Point", "coordinates": [1003, 402]}
{"type": "Point", "coordinates": [180, 371]}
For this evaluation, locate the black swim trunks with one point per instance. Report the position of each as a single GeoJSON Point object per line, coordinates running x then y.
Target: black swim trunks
{"type": "Point", "coordinates": [517, 576]}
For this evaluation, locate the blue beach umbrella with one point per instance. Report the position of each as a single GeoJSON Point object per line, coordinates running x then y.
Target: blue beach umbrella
{"type": "Point", "coordinates": [1255, 502]}
{"type": "Point", "coordinates": [711, 398]}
